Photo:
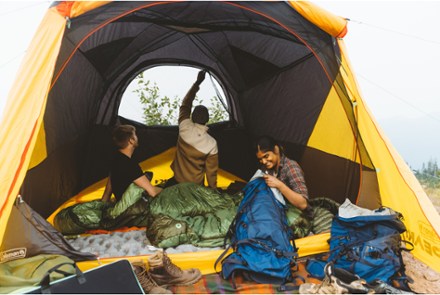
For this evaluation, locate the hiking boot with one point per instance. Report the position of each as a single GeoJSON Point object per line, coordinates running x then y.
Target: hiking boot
{"type": "Point", "coordinates": [166, 273]}
{"type": "Point", "coordinates": [146, 281]}
{"type": "Point", "coordinates": [380, 287]}
{"type": "Point", "coordinates": [346, 282]}
{"type": "Point", "coordinates": [336, 281]}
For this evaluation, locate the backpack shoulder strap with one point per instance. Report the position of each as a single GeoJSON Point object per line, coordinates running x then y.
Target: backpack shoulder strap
{"type": "Point", "coordinates": [241, 210]}
{"type": "Point", "coordinates": [221, 257]}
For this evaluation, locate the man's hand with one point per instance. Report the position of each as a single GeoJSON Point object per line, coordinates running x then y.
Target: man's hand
{"type": "Point", "coordinates": [200, 77]}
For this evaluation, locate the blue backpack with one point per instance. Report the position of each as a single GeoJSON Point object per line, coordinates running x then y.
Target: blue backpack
{"type": "Point", "coordinates": [368, 246]}
{"type": "Point", "coordinates": [260, 237]}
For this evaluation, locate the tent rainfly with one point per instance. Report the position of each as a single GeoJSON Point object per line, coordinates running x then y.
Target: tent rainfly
{"type": "Point", "coordinates": [284, 71]}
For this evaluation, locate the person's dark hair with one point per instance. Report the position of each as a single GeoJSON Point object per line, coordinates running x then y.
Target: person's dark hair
{"type": "Point", "coordinates": [267, 143]}
{"type": "Point", "coordinates": [200, 115]}
{"type": "Point", "coordinates": [121, 135]}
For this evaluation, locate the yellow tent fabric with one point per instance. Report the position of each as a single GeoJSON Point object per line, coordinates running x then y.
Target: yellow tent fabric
{"type": "Point", "coordinates": [22, 131]}
{"type": "Point", "coordinates": [160, 164]}
{"type": "Point", "coordinates": [396, 179]}
{"type": "Point", "coordinates": [25, 109]}
{"type": "Point", "coordinates": [205, 259]}
{"type": "Point", "coordinates": [330, 23]}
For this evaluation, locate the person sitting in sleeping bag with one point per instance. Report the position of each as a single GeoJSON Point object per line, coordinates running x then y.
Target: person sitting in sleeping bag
{"type": "Point", "coordinates": [124, 170]}
{"type": "Point", "coordinates": [282, 173]}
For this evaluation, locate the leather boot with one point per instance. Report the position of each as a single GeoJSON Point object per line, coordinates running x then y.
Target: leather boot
{"type": "Point", "coordinates": [166, 273]}
{"type": "Point", "coordinates": [146, 281]}
{"type": "Point", "coordinates": [336, 281]}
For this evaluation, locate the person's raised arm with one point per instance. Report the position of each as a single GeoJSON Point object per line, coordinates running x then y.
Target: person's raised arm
{"type": "Point", "coordinates": [185, 107]}
{"type": "Point", "coordinates": [144, 183]}
{"type": "Point", "coordinates": [106, 196]}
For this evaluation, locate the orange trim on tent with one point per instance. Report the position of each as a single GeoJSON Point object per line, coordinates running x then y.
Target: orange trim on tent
{"type": "Point", "coordinates": [159, 3]}
{"type": "Point", "coordinates": [343, 32]}
{"type": "Point", "coordinates": [20, 166]}
{"type": "Point", "coordinates": [28, 96]}
{"type": "Point", "coordinates": [287, 29]}
{"type": "Point", "coordinates": [330, 23]}
{"type": "Point", "coordinates": [81, 7]}
{"type": "Point", "coordinates": [230, 3]}
{"type": "Point", "coordinates": [403, 177]}
{"type": "Point", "coordinates": [326, 73]}
{"type": "Point", "coordinates": [98, 28]}
{"type": "Point", "coordinates": [380, 134]}
{"type": "Point", "coordinates": [65, 7]}
{"type": "Point", "coordinates": [323, 67]}
{"type": "Point", "coordinates": [73, 9]}
{"type": "Point", "coordinates": [333, 25]}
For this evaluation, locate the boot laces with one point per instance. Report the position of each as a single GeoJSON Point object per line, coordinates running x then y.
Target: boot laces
{"type": "Point", "coordinates": [144, 278]}
{"type": "Point", "coordinates": [170, 267]}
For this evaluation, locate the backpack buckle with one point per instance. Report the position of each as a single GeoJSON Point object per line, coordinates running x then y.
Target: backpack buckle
{"type": "Point", "coordinates": [278, 253]}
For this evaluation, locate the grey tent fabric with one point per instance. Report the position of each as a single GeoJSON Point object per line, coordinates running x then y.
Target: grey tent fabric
{"type": "Point", "coordinates": [275, 68]}
{"type": "Point", "coordinates": [28, 234]}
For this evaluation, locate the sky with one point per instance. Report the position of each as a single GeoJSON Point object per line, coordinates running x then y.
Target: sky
{"type": "Point", "coordinates": [393, 47]}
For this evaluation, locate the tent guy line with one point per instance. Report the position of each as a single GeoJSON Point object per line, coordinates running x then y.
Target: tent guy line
{"type": "Point", "coordinates": [399, 98]}
{"type": "Point", "coordinates": [23, 8]}
{"type": "Point", "coordinates": [276, 77]}
{"type": "Point", "coordinates": [354, 21]}
{"type": "Point", "coordinates": [395, 96]}
{"type": "Point", "coordinates": [12, 59]}
{"type": "Point", "coordinates": [394, 31]}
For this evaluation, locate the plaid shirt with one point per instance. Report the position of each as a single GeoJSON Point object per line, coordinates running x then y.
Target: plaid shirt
{"type": "Point", "coordinates": [292, 175]}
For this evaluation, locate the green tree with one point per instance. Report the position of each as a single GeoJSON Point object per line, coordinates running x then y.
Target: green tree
{"type": "Point", "coordinates": [217, 112]}
{"type": "Point", "coordinates": [156, 110]}
{"type": "Point", "coordinates": [429, 174]}
{"type": "Point", "coordinates": [163, 110]}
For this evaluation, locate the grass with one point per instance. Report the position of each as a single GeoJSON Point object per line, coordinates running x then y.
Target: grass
{"type": "Point", "coordinates": [434, 195]}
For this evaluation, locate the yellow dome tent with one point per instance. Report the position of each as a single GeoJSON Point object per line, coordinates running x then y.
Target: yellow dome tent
{"type": "Point", "coordinates": [284, 70]}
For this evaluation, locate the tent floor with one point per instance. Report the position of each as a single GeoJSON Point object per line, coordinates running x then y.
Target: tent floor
{"type": "Point", "coordinates": [215, 284]}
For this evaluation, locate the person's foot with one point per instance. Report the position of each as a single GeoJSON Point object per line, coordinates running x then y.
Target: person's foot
{"type": "Point", "coordinates": [166, 273]}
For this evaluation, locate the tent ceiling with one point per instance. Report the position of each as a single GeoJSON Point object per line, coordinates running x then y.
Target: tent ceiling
{"type": "Point", "coordinates": [275, 67]}
{"type": "Point", "coordinates": [244, 45]}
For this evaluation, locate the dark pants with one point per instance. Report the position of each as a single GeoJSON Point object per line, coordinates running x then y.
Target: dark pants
{"type": "Point", "coordinates": [170, 182]}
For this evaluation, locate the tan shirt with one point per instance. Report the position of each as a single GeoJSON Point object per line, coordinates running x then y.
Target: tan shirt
{"type": "Point", "coordinates": [197, 152]}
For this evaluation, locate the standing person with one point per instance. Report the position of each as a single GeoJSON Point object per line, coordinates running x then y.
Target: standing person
{"type": "Point", "coordinates": [281, 172]}
{"type": "Point", "coordinates": [196, 153]}
{"type": "Point", "coordinates": [124, 170]}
